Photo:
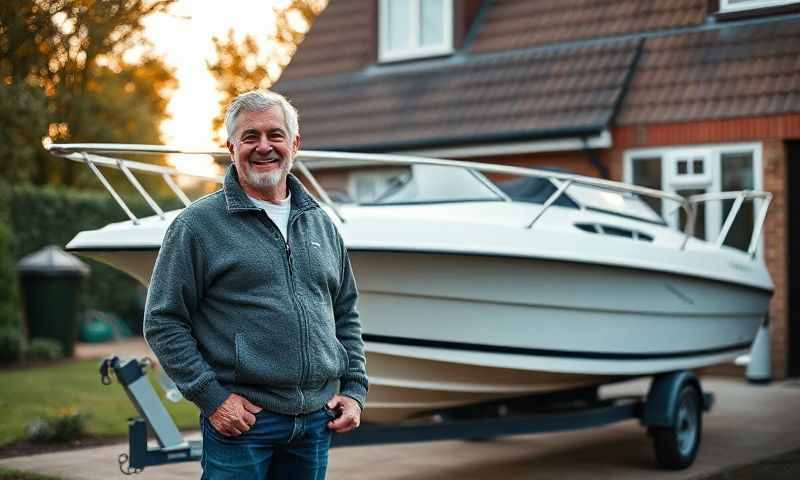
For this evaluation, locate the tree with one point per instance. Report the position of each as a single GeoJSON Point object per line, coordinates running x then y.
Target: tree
{"type": "Point", "coordinates": [250, 63]}
{"type": "Point", "coordinates": [63, 77]}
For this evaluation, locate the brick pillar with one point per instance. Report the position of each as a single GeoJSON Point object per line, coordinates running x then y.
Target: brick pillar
{"type": "Point", "coordinates": [775, 252]}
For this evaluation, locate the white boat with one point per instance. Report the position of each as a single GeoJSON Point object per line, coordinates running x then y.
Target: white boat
{"type": "Point", "coordinates": [468, 295]}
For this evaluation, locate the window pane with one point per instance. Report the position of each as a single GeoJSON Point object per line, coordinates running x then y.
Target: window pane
{"type": "Point", "coordinates": [682, 168]}
{"type": "Point", "coordinates": [431, 22]}
{"type": "Point", "coordinates": [737, 174]}
{"type": "Point", "coordinates": [647, 173]}
{"type": "Point", "coordinates": [399, 24]}
{"type": "Point", "coordinates": [700, 221]}
{"type": "Point", "coordinates": [738, 5]}
{"type": "Point", "coordinates": [416, 184]}
{"type": "Point", "coordinates": [534, 190]}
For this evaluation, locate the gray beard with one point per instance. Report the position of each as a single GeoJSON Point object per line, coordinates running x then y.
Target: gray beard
{"type": "Point", "coordinates": [269, 180]}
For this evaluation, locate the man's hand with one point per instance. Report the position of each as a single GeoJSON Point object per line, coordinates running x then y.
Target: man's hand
{"type": "Point", "coordinates": [234, 416]}
{"type": "Point", "coordinates": [350, 414]}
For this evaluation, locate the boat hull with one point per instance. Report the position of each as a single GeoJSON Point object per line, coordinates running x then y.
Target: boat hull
{"type": "Point", "coordinates": [629, 321]}
{"type": "Point", "coordinates": [443, 330]}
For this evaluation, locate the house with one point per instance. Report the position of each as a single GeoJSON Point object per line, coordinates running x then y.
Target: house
{"type": "Point", "coordinates": [688, 96]}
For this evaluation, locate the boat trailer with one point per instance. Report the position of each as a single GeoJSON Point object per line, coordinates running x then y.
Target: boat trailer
{"type": "Point", "coordinates": [671, 412]}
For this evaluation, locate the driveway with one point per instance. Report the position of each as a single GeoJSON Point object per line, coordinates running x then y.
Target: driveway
{"type": "Point", "coordinates": [748, 424]}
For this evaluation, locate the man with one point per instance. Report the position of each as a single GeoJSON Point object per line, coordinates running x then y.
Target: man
{"type": "Point", "coordinates": [252, 309]}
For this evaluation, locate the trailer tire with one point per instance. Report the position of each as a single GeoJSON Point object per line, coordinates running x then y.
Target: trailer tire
{"type": "Point", "coordinates": [676, 446]}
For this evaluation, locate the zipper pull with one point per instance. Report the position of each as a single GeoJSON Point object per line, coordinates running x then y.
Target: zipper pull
{"type": "Point", "coordinates": [289, 255]}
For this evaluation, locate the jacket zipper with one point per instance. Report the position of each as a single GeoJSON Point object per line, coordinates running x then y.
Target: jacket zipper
{"type": "Point", "coordinates": [298, 307]}
{"type": "Point", "coordinates": [301, 315]}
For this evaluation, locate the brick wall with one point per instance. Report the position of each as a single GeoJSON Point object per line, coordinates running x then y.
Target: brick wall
{"type": "Point", "coordinates": [775, 252]}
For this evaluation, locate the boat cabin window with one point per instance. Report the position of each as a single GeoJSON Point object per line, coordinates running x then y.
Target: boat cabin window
{"type": "Point", "coordinates": [624, 204]}
{"type": "Point", "coordinates": [615, 231]}
{"type": "Point", "coordinates": [533, 190]}
{"type": "Point", "coordinates": [406, 184]}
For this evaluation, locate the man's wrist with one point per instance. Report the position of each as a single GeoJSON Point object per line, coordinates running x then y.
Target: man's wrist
{"type": "Point", "coordinates": [210, 397]}
{"type": "Point", "coordinates": [355, 400]}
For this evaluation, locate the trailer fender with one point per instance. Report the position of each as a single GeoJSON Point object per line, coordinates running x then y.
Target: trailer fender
{"type": "Point", "coordinates": [662, 398]}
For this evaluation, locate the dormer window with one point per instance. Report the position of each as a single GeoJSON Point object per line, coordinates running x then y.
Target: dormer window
{"type": "Point", "coordinates": [726, 6]}
{"type": "Point", "coordinates": [414, 29]}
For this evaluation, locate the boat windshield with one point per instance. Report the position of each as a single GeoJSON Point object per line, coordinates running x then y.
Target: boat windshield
{"type": "Point", "coordinates": [624, 204]}
{"type": "Point", "coordinates": [412, 184]}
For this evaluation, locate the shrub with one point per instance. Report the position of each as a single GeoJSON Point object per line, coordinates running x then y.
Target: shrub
{"type": "Point", "coordinates": [10, 325]}
{"type": "Point", "coordinates": [66, 425]}
{"type": "Point", "coordinates": [44, 349]}
{"type": "Point", "coordinates": [10, 344]}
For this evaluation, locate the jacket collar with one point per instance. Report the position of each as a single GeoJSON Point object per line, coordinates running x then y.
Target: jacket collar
{"type": "Point", "coordinates": [237, 200]}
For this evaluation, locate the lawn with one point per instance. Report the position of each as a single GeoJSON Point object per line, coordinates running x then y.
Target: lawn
{"type": "Point", "coordinates": [19, 475]}
{"type": "Point", "coordinates": [41, 391]}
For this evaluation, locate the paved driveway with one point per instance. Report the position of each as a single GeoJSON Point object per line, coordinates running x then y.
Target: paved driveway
{"type": "Point", "coordinates": [747, 424]}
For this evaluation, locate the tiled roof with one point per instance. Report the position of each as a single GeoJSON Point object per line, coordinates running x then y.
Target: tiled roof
{"type": "Point", "coordinates": [512, 24]}
{"type": "Point", "coordinates": [725, 73]}
{"type": "Point", "coordinates": [340, 40]}
{"type": "Point", "coordinates": [541, 68]}
{"type": "Point", "coordinates": [483, 98]}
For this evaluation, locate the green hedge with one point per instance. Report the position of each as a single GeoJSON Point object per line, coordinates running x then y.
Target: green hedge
{"type": "Point", "coordinates": [10, 346]}
{"type": "Point", "coordinates": [37, 217]}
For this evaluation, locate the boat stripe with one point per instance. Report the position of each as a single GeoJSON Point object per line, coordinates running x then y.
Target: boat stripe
{"type": "Point", "coordinates": [541, 352]}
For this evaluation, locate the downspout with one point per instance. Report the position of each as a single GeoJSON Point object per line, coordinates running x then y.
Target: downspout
{"type": "Point", "coordinates": [477, 23]}
{"type": "Point", "coordinates": [594, 159]}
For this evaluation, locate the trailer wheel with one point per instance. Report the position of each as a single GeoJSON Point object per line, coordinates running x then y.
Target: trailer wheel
{"type": "Point", "coordinates": [676, 446]}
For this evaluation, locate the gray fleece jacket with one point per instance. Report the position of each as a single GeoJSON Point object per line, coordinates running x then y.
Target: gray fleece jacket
{"type": "Point", "coordinates": [232, 307]}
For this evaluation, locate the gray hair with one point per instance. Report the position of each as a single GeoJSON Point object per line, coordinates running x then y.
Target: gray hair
{"type": "Point", "coordinates": [259, 101]}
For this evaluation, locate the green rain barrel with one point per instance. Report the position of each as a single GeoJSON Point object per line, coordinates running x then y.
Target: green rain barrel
{"type": "Point", "coordinates": [50, 280]}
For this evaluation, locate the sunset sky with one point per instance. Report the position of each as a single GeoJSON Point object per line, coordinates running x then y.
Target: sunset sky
{"type": "Point", "coordinates": [183, 37]}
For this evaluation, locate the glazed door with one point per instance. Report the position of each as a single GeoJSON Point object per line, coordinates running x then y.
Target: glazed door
{"type": "Point", "coordinates": [689, 172]}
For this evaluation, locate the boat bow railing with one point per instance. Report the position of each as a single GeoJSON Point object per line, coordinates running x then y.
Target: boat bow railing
{"type": "Point", "coordinates": [93, 155]}
{"type": "Point", "coordinates": [738, 197]}
{"type": "Point", "coordinates": [89, 153]}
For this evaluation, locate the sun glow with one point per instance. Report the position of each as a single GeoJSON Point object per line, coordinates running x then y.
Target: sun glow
{"type": "Point", "coordinates": [195, 164]}
{"type": "Point", "coordinates": [182, 36]}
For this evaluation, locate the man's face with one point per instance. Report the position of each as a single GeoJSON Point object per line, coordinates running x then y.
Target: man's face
{"type": "Point", "coordinates": [262, 150]}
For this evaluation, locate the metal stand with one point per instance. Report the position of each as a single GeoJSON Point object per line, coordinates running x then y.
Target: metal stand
{"type": "Point", "coordinates": [140, 455]}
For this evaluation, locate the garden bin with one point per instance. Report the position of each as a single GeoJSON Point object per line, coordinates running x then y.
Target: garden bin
{"type": "Point", "coordinates": [50, 281]}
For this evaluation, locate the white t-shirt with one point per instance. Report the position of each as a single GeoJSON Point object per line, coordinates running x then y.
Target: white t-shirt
{"type": "Point", "coordinates": [278, 213]}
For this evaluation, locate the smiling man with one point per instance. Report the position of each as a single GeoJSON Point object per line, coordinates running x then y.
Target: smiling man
{"type": "Point", "coordinates": [252, 309]}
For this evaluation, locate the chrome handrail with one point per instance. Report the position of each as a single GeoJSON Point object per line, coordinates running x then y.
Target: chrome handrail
{"type": "Point", "coordinates": [89, 153]}
{"type": "Point", "coordinates": [738, 198]}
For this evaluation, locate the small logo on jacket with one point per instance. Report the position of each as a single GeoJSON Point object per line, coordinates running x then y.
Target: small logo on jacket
{"type": "Point", "coordinates": [316, 244]}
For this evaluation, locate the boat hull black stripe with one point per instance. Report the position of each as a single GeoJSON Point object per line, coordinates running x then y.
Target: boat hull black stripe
{"type": "Point", "coordinates": [541, 352]}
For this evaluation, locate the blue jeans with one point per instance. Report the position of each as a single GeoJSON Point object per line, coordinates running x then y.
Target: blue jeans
{"type": "Point", "coordinates": [276, 447]}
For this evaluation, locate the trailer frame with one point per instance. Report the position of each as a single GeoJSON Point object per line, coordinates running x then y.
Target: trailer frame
{"type": "Point", "coordinates": [661, 412]}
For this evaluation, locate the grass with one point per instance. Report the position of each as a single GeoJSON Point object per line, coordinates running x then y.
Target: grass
{"type": "Point", "coordinates": [6, 474]}
{"type": "Point", "coordinates": [41, 391]}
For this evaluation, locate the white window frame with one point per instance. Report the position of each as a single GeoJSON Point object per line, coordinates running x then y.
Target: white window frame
{"type": "Point", "coordinates": [415, 51]}
{"type": "Point", "coordinates": [726, 6]}
{"type": "Point", "coordinates": [711, 179]}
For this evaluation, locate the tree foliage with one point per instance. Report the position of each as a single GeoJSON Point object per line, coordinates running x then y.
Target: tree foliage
{"type": "Point", "coordinates": [64, 77]}
{"type": "Point", "coordinates": [251, 62]}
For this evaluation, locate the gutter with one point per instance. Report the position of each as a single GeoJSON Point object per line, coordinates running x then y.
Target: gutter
{"type": "Point", "coordinates": [600, 140]}
{"type": "Point", "coordinates": [475, 141]}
